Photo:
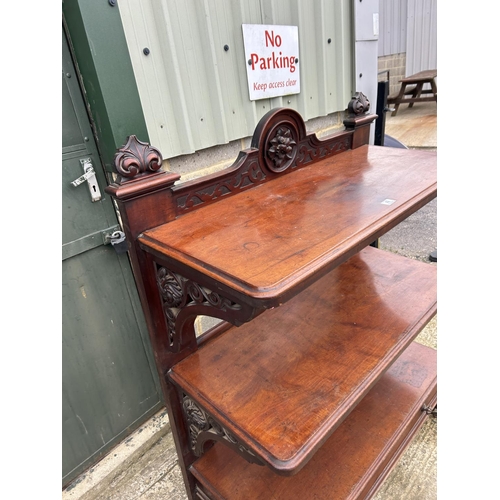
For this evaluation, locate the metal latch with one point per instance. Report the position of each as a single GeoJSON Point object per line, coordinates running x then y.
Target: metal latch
{"type": "Point", "coordinates": [90, 177]}
{"type": "Point", "coordinates": [117, 240]}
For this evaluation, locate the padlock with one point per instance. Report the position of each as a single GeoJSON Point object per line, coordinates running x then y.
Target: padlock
{"type": "Point", "coordinates": [119, 242]}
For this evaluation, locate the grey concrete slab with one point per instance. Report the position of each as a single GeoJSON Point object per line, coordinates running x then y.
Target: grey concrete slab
{"type": "Point", "coordinates": [415, 127]}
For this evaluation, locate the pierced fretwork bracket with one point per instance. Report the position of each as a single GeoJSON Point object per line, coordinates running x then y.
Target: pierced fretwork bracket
{"type": "Point", "coordinates": [203, 427]}
{"type": "Point", "coordinates": [183, 299]}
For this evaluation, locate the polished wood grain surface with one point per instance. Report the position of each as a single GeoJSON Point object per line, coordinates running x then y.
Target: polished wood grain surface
{"type": "Point", "coordinates": [282, 383]}
{"type": "Point", "coordinates": [355, 459]}
{"type": "Point", "coordinates": [270, 241]}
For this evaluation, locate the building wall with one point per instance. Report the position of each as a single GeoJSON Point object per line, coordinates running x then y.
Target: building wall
{"type": "Point", "coordinates": [408, 39]}
{"type": "Point", "coordinates": [421, 36]}
{"type": "Point", "coordinates": [393, 16]}
{"type": "Point", "coordinates": [395, 65]}
{"type": "Point", "coordinates": [194, 94]}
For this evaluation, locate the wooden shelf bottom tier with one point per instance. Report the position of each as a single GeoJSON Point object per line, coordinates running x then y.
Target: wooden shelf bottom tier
{"type": "Point", "coordinates": [280, 385]}
{"type": "Point", "coordinates": [357, 457]}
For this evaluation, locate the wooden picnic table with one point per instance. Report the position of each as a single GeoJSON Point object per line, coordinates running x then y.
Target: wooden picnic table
{"type": "Point", "coordinates": [412, 89]}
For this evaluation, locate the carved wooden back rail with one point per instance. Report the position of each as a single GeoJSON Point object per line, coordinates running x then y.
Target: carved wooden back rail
{"type": "Point", "coordinates": [147, 198]}
{"type": "Point", "coordinates": [175, 286]}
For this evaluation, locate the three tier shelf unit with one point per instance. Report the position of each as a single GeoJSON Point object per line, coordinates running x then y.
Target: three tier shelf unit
{"type": "Point", "coordinates": [311, 386]}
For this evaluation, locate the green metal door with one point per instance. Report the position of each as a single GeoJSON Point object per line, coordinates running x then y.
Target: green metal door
{"type": "Point", "coordinates": [110, 384]}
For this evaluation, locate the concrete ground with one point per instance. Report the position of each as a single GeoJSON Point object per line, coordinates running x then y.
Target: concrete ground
{"type": "Point", "coordinates": [145, 465]}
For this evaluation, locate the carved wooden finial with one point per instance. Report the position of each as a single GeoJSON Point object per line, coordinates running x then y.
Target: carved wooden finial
{"type": "Point", "coordinates": [137, 158]}
{"type": "Point", "coordinates": [138, 165]}
{"type": "Point", "coordinates": [358, 105]}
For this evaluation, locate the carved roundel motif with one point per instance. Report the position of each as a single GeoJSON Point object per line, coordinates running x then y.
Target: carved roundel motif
{"type": "Point", "coordinates": [281, 147]}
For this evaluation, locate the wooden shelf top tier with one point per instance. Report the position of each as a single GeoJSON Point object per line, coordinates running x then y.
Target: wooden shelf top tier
{"type": "Point", "coordinates": [284, 382]}
{"type": "Point", "coordinates": [267, 243]}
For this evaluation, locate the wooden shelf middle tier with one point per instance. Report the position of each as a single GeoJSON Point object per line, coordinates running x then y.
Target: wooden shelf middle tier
{"type": "Point", "coordinates": [281, 384]}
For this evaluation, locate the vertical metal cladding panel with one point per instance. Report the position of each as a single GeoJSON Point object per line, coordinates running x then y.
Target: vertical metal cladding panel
{"type": "Point", "coordinates": [392, 38]}
{"type": "Point", "coordinates": [195, 94]}
{"type": "Point", "coordinates": [421, 51]}
{"type": "Point", "coordinates": [326, 69]}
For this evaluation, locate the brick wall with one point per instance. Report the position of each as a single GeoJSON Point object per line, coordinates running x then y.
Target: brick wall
{"type": "Point", "coordinates": [396, 64]}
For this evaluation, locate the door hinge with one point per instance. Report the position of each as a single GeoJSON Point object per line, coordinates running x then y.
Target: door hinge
{"type": "Point", "coordinates": [90, 177]}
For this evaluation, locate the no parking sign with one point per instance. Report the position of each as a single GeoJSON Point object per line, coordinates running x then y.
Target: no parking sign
{"type": "Point", "coordinates": [272, 55]}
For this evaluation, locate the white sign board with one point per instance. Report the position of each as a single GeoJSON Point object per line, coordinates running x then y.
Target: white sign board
{"type": "Point", "coordinates": [272, 55]}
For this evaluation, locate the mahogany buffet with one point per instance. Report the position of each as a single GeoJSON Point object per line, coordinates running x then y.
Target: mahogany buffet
{"type": "Point", "coordinates": [311, 386]}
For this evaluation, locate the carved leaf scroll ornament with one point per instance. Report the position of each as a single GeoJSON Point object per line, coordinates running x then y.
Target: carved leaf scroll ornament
{"type": "Point", "coordinates": [170, 286]}
{"type": "Point", "coordinates": [203, 427]}
{"type": "Point", "coordinates": [359, 104]}
{"type": "Point", "coordinates": [137, 158]}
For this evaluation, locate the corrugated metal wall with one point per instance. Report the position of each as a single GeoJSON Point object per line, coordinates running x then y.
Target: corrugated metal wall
{"type": "Point", "coordinates": [409, 26]}
{"type": "Point", "coordinates": [195, 94]}
{"type": "Point", "coordinates": [392, 20]}
{"type": "Point", "coordinates": [421, 53]}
